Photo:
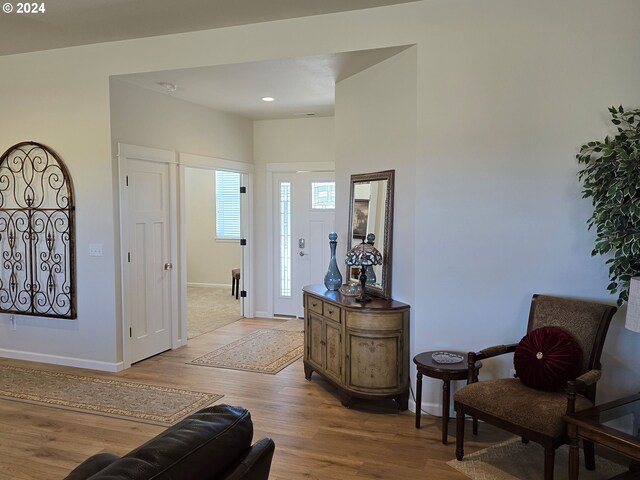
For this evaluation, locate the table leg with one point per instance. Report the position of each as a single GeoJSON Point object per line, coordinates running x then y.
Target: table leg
{"type": "Point", "coordinates": [418, 398]}
{"type": "Point", "coordinates": [475, 420]}
{"type": "Point", "coordinates": [446, 384]}
{"type": "Point", "coordinates": [574, 453]}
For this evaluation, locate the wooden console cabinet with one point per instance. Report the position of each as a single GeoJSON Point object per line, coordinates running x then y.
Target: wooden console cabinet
{"type": "Point", "coordinates": [362, 349]}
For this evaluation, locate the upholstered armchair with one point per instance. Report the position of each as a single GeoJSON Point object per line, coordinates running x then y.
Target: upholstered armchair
{"type": "Point", "coordinates": [531, 413]}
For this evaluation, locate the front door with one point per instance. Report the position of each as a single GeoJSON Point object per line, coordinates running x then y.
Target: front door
{"type": "Point", "coordinates": [148, 265]}
{"type": "Point", "coordinates": [304, 215]}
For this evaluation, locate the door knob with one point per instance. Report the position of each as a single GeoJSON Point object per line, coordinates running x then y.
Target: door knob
{"type": "Point", "coordinates": [302, 254]}
{"type": "Point", "coordinates": [168, 266]}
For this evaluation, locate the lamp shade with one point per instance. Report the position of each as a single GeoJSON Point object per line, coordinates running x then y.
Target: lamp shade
{"type": "Point", "coordinates": [633, 307]}
{"type": "Point", "coordinates": [363, 255]}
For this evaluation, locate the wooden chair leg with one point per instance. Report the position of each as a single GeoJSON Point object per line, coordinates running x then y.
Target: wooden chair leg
{"type": "Point", "coordinates": [459, 432]}
{"type": "Point", "coordinates": [589, 455]}
{"type": "Point", "coordinates": [549, 460]}
{"type": "Point", "coordinates": [233, 285]}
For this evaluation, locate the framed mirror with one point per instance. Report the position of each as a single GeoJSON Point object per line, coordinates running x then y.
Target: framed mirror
{"type": "Point", "coordinates": [371, 212]}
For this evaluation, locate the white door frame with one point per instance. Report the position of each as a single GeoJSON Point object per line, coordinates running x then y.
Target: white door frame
{"type": "Point", "coordinates": [178, 162]}
{"type": "Point", "coordinates": [134, 152]}
{"type": "Point", "coordinates": [272, 168]}
{"type": "Point", "coordinates": [246, 219]}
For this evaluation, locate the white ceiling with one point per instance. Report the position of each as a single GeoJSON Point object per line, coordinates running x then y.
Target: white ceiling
{"type": "Point", "coordinates": [300, 85]}
{"type": "Point", "coordinates": [303, 86]}
{"type": "Point", "coordinates": [78, 22]}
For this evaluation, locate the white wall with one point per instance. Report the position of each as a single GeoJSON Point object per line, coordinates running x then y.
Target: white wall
{"type": "Point", "coordinates": [282, 141]}
{"type": "Point", "coordinates": [209, 261]}
{"type": "Point", "coordinates": [376, 130]}
{"type": "Point", "coordinates": [503, 106]}
{"type": "Point", "coordinates": [506, 91]}
{"type": "Point", "coordinates": [142, 117]}
{"type": "Point", "coordinates": [66, 115]}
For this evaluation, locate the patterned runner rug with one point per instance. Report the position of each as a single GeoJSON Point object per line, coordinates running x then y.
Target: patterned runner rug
{"type": "Point", "coordinates": [514, 460]}
{"type": "Point", "coordinates": [102, 396]}
{"type": "Point", "coordinates": [263, 351]}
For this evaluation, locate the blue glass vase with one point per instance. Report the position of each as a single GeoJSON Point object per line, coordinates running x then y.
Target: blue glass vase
{"type": "Point", "coordinates": [333, 278]}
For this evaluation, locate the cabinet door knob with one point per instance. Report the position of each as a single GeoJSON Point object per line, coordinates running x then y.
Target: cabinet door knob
{"type": "Point", "coordinates": [330, 312]}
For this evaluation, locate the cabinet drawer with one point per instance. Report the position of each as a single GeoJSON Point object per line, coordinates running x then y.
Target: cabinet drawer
{"type": "Point", "coordinates": [331, 311]}
{"type": "Point", "coordinates": [314, 304]}
{"type": "Point", "coordinates": [383, 321]}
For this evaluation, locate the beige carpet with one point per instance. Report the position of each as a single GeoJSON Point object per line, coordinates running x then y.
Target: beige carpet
{"type": "Point", "coordinates": [209, 309]}
{"type": "Point", "coordinates": [102, 396]}
{"type": "Point", "coordinates": [514, 460]}
{"type": "Point", "coordinates": [263, 351]}
{"type": "Point", "coordinates": [293, 325]}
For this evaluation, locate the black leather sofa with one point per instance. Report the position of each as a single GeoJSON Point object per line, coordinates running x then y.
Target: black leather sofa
{"type": "Point", "coordinates": [213, 443]}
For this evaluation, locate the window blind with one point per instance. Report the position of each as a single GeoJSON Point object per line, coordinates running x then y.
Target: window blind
{"type": "Point", "coordinates": [227, 205]}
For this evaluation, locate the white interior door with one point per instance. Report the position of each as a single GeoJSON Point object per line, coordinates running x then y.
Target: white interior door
{"type": "Point", "coordinates": [148, 264]}
{"type": "Point", "coordinates": [304, 215]}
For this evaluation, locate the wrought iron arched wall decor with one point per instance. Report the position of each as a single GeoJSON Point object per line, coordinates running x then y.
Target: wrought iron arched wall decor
{"type": "Point", "coordinates": [37, 235]}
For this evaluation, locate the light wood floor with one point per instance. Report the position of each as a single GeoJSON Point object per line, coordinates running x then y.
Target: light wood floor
{"type": "Point", "coordinates": [315, 436]}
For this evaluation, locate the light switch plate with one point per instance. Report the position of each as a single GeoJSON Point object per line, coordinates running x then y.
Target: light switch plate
{"type": "Point", "coordinates": [95, 250]}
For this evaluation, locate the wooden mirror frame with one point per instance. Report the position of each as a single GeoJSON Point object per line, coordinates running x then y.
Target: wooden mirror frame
{"type": "Point", "coordinates": [387, 249]}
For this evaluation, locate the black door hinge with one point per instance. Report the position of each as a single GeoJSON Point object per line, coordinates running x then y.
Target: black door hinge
{"type": "Point", "coordinates": [129, 257]}
{"type": "Point", "coordinates": [126, 180]}
{"type": "Point", "coordinates": [243, 242]}
{"type": "Point", "coordinates": [130, 332]}
{"type": "Point", "coordinates": [243, 293]}
{"type": "Point", "coordinates": [243, 189]}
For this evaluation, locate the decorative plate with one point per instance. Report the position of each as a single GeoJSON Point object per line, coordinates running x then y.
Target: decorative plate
{"type": "Point", "coordinates": [446, 357]}
{"type": "Point", "coordinates": [350, 290]}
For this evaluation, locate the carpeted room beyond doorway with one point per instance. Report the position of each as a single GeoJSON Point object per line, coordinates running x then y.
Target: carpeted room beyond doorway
{"type": "Point", "coordinates": [209, 309]}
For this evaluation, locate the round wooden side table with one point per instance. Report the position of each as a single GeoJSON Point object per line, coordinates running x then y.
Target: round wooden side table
{"type": "Point", "coordinates": [426, 365]}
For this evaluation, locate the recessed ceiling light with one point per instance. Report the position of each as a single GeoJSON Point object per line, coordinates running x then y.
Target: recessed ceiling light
{"type": "Point", "coordinates": [169, 87]}
{"type": "Point", "coordinates": [268, 99]}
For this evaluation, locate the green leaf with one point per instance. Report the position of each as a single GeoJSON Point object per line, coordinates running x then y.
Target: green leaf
{"type": "Point", "coordinates": [611, 179]}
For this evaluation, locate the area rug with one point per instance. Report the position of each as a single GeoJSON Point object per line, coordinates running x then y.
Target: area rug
{"type": "Point", "coordinates": [209, 309]}
{"type": "Point", "coordinates": [514, 460]}
{"type": "Point", "coordinates": [263, 351]}
{"type": "Point", "coordinates": [102, 396]}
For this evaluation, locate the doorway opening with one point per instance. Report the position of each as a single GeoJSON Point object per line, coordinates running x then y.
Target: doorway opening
{"type": "Point", "coordinates": [212, 235]}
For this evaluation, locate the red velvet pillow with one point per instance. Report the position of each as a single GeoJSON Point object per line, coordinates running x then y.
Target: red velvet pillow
{"type": "Point", "coordinates": [547, 357]}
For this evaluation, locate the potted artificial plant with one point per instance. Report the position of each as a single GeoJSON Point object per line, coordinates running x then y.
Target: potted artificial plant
{"type": "Point", "coordinates": [611, 178]}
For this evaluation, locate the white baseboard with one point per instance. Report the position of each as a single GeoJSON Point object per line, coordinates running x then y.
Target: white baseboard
{"type": "Point", "coordinates": [261, 314]}
{"type": "Point", "coordinates": [427, 408]}
{"type": "Point", "coordinates": [434, 409]}
{"type": "Point", "coordinates": [209, 285]}
{"type": "Point", "coordinates": [59, 360]}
